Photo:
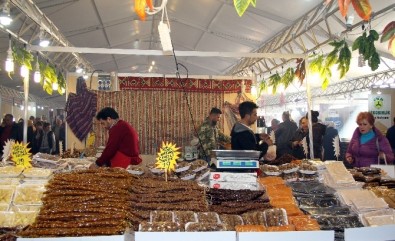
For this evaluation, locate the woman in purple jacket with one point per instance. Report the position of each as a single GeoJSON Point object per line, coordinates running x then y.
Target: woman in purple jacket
{"type": "Point", "coordinates": [368, 143]}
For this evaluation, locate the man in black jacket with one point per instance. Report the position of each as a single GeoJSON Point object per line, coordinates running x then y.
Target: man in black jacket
{"type": "Point", "coordinates": [243, 137]}
{"type": "Point", "coordinates": [9, 130]}
{"type": "Point", "coordinates": [284, 133]}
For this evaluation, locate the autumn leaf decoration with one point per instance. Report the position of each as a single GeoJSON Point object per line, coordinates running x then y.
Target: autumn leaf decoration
{"type": "Point", "coordinates": [343, 6]}
{"type": "Point", "coordinates": [300, 71]}
{"type": "Point", "coordinates": [362, 7]}
{"type": "Point", "coordinates": [242, 5]}
{"type": "Point", "coordinates": [389, 35]}
{"type": "Point", "coordinates": [140, 6]}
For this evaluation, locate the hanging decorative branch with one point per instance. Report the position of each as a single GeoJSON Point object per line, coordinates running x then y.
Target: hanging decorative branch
{"type": "Point", "coordinates": [362, 7]}
{"type": "Point", "coordinates": [366, 48]}
{"type": "Point", "coordinates": [343, 6]}
{"type": "Point", "coordinates": [140, 8]}
{"type": "Point", "coordinates": [300, 72]}
{"type": "Point", "coordinates": [22, 56]}
{"type": "Point", "coordinates": [48, 71]}
{"type": "Point", "coordinates": [242, 5]}
{"type": "Point", "coordinates": [389, 35]}
{"type": "Point", "coordinates": [274, 81]}
{"type": "Point", "coordinates": [344, 57]}
{"type": "Point", "coordinates": [288, 77]}
{"type": "Point", "coordinates": [61, 83]}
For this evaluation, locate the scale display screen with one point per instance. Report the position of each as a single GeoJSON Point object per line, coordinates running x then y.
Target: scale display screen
{"type": "Point", "coordinates": [238, 164]}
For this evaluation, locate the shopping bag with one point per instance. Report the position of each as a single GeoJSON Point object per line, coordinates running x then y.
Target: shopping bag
{"type": "Point", "coordinates": [389, 169]}
{"type": "Point", "coordinates": [271, 153]}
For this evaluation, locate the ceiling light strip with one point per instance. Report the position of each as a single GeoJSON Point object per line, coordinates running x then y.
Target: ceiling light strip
{"type": "Point", "coordinates": [162, 53]}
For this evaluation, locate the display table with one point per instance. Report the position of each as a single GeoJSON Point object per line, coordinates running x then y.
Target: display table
{"type": "Point", "coordinates": [125, 237]}
{"type": "Point", "coordinates": [203, 236]}
{"type": "Point", "coordinates": [182, 236]}
{"type": "Point", "coordinates": [381, 233]}
{"type": "Point", "coordinates": [287, 236]}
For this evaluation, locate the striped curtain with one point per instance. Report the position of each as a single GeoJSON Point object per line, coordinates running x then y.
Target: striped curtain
{"type": "Point", "coordinates": [158, 115]}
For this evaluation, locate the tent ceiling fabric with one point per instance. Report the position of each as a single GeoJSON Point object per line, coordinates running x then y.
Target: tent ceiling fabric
{"type": "Point", "coordinates": [196, 25]}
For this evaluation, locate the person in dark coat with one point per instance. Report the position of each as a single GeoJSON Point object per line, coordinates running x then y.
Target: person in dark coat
{"type": "Point", "coordinates": [296, 140]}
{"type": "Point", "coordinates": [30, 134]}
{"type": "Point", "coordinates": [9, 130]}
{"type": "Point", "coordinates": [242, 136]}
{"type": "Point", "coordinates": [319, 130]}
{"type": "Point", "coordinates": [36, 137]}
{"type": "Point", "coordinates": [284, 134]}
{"type": "Point", "coordinates": [391, 136]}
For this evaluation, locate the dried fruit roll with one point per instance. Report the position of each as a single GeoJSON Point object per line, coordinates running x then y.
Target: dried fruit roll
{"type": "Point", "coordinates": [71, 232]}
{"type": "Point", "coordinates": [93, 224]}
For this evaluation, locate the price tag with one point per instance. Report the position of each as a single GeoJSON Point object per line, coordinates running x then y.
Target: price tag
{"type": "Point", "coordinates": [20, 155]}
{"type": "Point", "coordinates": [167, 157]}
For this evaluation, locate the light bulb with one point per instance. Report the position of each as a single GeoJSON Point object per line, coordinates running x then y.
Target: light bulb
{"type": "Point", "coordinates": [254, 91]}
{"type": "Point", "coordinates": [9, 65]}
{"type": "Point", "coordinates": [44, 43]}
{"type": "Point", "coordinates": [5, 18]}
{"type": "Point", "coordinates": [55, 86]}
{"type": "Point", "coordinates": [78, 70]}
{"type": "Point", "coordinates": [24, 71]}
{"type": "Point", "coordinates": [37, 76]}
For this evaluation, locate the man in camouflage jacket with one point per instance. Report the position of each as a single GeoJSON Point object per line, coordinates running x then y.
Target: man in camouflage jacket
{"type": "Point", "coordinates": [210, 135]}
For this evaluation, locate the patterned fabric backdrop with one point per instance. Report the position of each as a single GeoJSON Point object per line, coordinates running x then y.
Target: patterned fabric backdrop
{"type": "Point", "coordinates": [158, 115]}
{"type": "Point", "coordinates": [183, 84]}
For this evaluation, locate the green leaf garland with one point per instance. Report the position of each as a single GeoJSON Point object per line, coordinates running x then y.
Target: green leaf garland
{"type": "Point", "coordinates": [242, 5]}
{"type": "Point", "coordinates": [49, 74]}
{"type": "Point", "coordinates": [366, 48]}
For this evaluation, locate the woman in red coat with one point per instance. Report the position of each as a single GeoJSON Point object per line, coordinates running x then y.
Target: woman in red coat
{"type": "Point", "coordinates": [122, 148]}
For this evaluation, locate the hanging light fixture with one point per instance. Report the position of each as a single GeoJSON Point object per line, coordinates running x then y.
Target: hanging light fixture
{"type": "Point", "coordinates": [37, 73]}
{"type": "Point", "coordinates": [44, 42]}
{"type": "Point", "coordinates": [9, 63]}
{"type": "Point", "coordinates": [24, 69]}
{"type": "Point", "coordinates": [5, 17]}
{"type": "Point", "coordinates": [55, 86]}
{"type": "Point", "coordinates": [78, 69]}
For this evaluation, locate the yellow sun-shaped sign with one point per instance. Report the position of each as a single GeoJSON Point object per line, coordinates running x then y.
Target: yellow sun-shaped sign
{"type": "Point", "coordinates": [167, 157]}
{"type": "Point", "coordinates": [90, 140]}
{"type": "Point", "coordinates": [20, 155]}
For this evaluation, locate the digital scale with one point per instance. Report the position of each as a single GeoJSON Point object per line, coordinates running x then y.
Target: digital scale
{"type": "Point", "coordinates": [235, 159]}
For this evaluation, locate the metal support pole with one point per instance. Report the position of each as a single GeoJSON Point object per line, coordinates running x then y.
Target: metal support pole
{"type": "Point", "coordinates": [309, 107]}
{"type": "Point", "coordinates": [26, 105]}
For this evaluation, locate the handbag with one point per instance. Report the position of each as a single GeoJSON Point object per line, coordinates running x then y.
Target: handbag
{"type": "Point", "coordinates": [389, 169]}
{"type": "Point", "coordinates": [378, 157]}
